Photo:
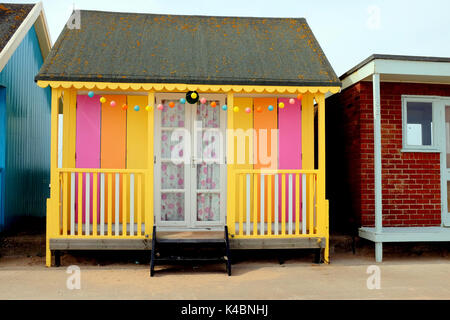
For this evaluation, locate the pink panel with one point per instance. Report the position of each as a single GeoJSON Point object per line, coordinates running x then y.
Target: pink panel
{"type": "Point", "coordinates": [290, 146]}
{"type": "Point", "coordinates": [88, 132]}
{"type": "Point", "coordinates": [87, 144]}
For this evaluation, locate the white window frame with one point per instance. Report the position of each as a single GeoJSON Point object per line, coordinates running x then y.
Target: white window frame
{"type": "Point", "coordinates": [435, 146]}
{"type": "Point", "coordinates": [445, 215]}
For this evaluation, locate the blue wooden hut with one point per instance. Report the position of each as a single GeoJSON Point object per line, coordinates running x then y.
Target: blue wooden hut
{"type": "Point", "coordinates": [24, 113]}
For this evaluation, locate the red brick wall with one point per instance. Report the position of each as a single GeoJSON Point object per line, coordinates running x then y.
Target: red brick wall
{"type": "Point", "coordinates": [410, 181]}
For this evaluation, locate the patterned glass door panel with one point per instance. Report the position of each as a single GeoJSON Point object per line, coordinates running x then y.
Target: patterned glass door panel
{"type": "Point", "coordinates": [173, 164]}
{"type": "Point", "coordinates": [208, 178]}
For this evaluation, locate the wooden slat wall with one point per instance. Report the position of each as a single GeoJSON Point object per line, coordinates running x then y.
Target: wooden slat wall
{"type": "Point", "coordinates": [264, 122]}
{"type": "Point", "coordinates": [87, 139]}
{"type": "Point", "coordinates": [244, 121]}
{"type": "Point", "coordinates": [137, 137]}
{"type": "Point", "coordinates": [290, 142]}
{"type": "Point", "coordinates": [113, 132]}
{"type": "Point", "coordinates": [137, 133]}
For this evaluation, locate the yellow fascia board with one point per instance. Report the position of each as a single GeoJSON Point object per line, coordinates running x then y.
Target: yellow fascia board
{"type": "Point", "coordinates": [180, 87]}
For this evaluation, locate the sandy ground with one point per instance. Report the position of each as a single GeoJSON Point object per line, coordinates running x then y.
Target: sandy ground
{"type": "Point", "coordinates": [404, 277]}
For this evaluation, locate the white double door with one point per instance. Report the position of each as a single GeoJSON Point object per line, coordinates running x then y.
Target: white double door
{"type": "Point", "coordinates": [190, 169]}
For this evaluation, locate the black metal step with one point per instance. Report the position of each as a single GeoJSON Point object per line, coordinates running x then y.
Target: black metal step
{"type": "Point", "coordinates": [190, 259]}
{"type": "Point", "coordinates": [176, 247]}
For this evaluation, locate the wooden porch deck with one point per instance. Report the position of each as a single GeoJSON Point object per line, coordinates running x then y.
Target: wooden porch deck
{"type": "Point", "coordinates": [146, 244]}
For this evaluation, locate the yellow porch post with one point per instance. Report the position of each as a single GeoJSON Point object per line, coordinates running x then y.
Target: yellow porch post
{"type": "Point", "coordinates": [68, 147]}
{"type": "Point", "coordinates": [231, 201]}
{"type": "Point", "coordinates": [322, 203]}
{"type": "Point", "coordinates": [149, 178]}
{"type": "Point", "coordinates": [308, 153]}
{"type": "Point", "coordinates": [69, 127]}
{"type": "Point", "coordinates": [308, 132]}
{"type": "Point", "coordinates": [53, 203]}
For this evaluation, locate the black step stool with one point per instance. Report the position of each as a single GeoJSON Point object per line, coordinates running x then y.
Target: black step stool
{"type": "Point", "coordinates": [189, 247]}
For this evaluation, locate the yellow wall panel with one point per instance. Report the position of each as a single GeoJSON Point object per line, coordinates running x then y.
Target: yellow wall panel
{"type": "Point", "coordinates": [243, 126]}
{"type": "Point", "coordinates": [137, 138]}
{"type": "Point", "coordinates": [137, 133]}
{"type": "Point", "coordinates": [243, 144]}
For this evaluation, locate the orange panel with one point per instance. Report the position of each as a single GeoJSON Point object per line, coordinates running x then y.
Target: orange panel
{"type": "Point", "coordinates": [265, 144]}
{"type": "Point", "coordinates": [113, 139]}
{"type": "Point", "coordinates": [114, 133]}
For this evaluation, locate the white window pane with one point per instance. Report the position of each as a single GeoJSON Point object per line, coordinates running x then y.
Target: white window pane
{"type": "Point", "coordinates": [414, 134]}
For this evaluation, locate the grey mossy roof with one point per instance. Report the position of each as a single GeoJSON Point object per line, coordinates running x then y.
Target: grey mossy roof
{"type": "Point", "coordinates": [154, 48]}
{"type": "Point", "coordinates": [11, 17]}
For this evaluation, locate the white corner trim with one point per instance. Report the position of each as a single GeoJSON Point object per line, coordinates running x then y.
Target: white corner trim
{"type": "Point", "coordinates": [440, 71]}
{"type": "Point", "coordinates": [361, 74]}
{"type": "Point", "coordinates": [413, 68]}
{"type": "Point", "coordinates": [20, 33]}
{"type": "Point", "coordinates": [45, 42]}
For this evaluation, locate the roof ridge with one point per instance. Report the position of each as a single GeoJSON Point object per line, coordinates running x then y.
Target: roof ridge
{"type": "Point", "coordinates": [189, 15]}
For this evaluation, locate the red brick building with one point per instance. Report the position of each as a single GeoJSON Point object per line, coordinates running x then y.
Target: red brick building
{"type": "Point", "coordinates": [388, 176]}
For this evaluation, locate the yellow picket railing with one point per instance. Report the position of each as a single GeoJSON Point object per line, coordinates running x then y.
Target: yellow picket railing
{"type": "Point", "coordinates": [276, 204]}
{"type": "Point", "coordinates": [102, 203]}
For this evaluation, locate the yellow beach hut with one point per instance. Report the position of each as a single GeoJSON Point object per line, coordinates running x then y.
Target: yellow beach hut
{"type": "Point", "coordinates": [171, 125]}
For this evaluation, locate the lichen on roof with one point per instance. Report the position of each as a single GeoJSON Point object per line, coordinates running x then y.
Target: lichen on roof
{"type": "Point", "coordinates": [11, 17]}
{"type": "Point", "coordinates": [151, 48]}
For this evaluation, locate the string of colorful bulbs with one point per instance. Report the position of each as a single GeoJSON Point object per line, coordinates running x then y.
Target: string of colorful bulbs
{"type": "Point", "coordinates": [203, 100]}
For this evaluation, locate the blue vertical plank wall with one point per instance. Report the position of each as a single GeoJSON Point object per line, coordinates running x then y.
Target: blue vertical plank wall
{"type": "Point", "coordinates": [2, 152]}
{"type": "Point", "coordinates": [27, 164]}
